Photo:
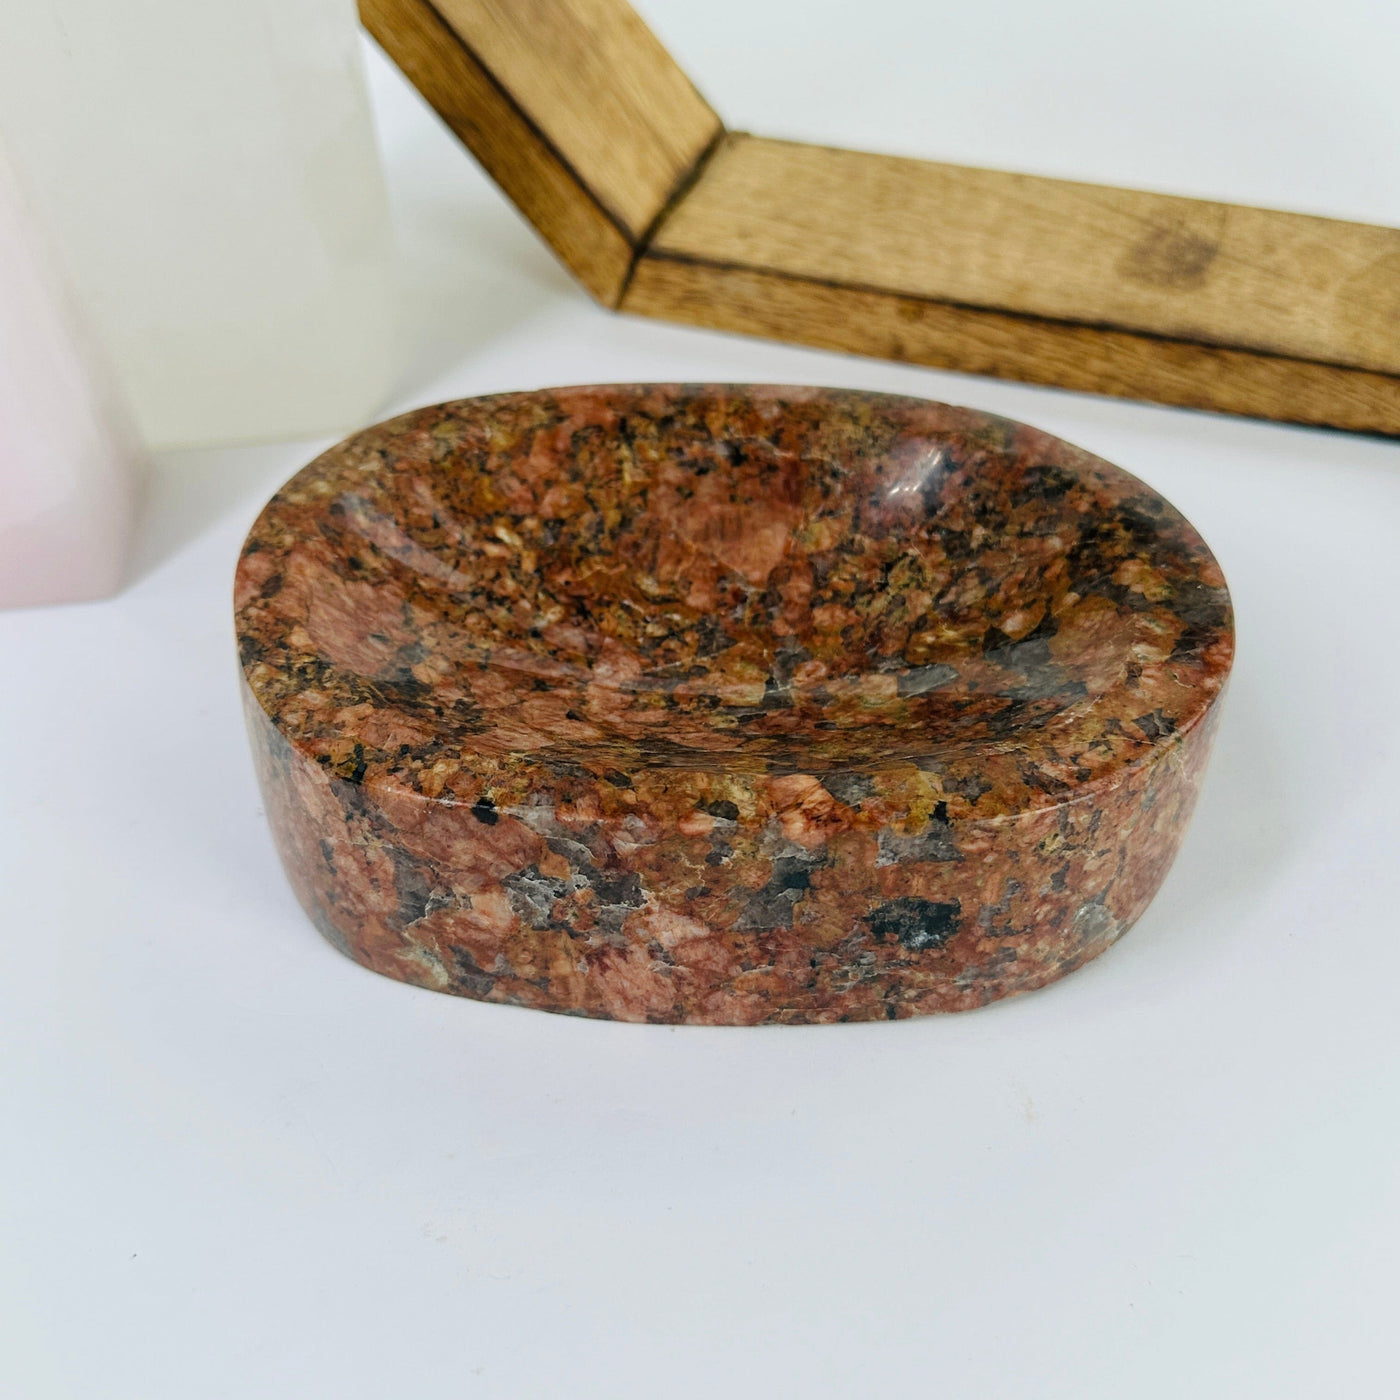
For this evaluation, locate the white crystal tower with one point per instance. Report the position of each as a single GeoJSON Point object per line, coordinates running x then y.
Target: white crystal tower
{"type": "Point", "coordinates": [208, 175]}
{"type": "Point", "coordinates": [66, 475]}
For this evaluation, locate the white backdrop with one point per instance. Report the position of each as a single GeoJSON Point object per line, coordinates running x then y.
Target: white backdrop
{"type": "Point", "coordinates": [233, 1164]}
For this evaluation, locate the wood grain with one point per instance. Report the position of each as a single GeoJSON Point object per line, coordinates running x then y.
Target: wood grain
{"type": "Point", "coordinates": [586, 122]}
{"type": "Point", "coordinates": [1093, 359]}
{"type": "Point", "coordinates": [597, 81]}
{"type": "Point", "coordinates": [1288, 284]}
{"type": "Point", "coordinates": [572, 106]}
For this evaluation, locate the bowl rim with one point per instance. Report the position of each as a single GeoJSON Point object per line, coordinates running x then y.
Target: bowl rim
{"type": "Point", "coordinates": [918, 779]}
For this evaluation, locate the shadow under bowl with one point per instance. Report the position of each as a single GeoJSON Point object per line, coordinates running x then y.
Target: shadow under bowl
{"type": "Point", "coordinates": [726, 704]}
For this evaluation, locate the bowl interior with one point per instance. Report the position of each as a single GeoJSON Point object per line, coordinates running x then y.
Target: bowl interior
{"type": "Point", "coordinates": [787, 578]}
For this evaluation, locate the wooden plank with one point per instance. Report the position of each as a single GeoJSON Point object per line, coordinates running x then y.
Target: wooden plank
{"type": "Point", "coordinates": [503, 139]}
{"type": "Point", "coordinates": [1038, 351]}
{"type": "Point", "coordinates": [1287, 284]}
{"type": "Point", "coordinates": [589, 126]}
{"type": "Point", "coordinates": [596, 80]}
{"type": "Point", "coordinates": [572, 106]}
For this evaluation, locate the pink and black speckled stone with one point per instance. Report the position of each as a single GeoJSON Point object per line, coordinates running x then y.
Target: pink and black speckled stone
{"type": "Point", "coordinates": [726, 705]}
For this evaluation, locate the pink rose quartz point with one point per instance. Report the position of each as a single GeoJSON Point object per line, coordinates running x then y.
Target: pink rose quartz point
{"type": "Point", "coordinates": [67, 463]}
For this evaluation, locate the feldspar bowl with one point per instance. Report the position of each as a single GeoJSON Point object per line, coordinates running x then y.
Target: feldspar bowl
{"type": "Point", "coordinates": [728, 704]}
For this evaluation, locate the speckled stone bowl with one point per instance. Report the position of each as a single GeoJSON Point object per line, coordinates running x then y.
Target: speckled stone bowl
{"type": "Point", "coordinates": [726, 705]}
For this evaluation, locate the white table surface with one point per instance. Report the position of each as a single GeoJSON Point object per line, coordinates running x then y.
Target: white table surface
{"type": "Point", "coordinates": [232, 1163]}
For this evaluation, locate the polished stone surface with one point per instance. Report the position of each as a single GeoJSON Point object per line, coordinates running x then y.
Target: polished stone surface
{"type": "Point", "coordinates": [726, 705]}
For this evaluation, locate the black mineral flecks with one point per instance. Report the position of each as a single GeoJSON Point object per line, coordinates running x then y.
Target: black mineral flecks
{"type": "Point", "coordinates": [919, 924]}
{"type": "Point", "coordinates": [773, 905]}
{"type": "Point", "coordinates": [726, 705]}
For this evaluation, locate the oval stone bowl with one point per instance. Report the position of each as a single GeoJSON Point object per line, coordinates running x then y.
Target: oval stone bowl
{"type": "Point", "coordinates": [726, 705]}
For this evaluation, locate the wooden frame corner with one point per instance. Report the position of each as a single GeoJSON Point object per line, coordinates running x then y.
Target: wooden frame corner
{"type": "Point", "coordinates": [591, 128]}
